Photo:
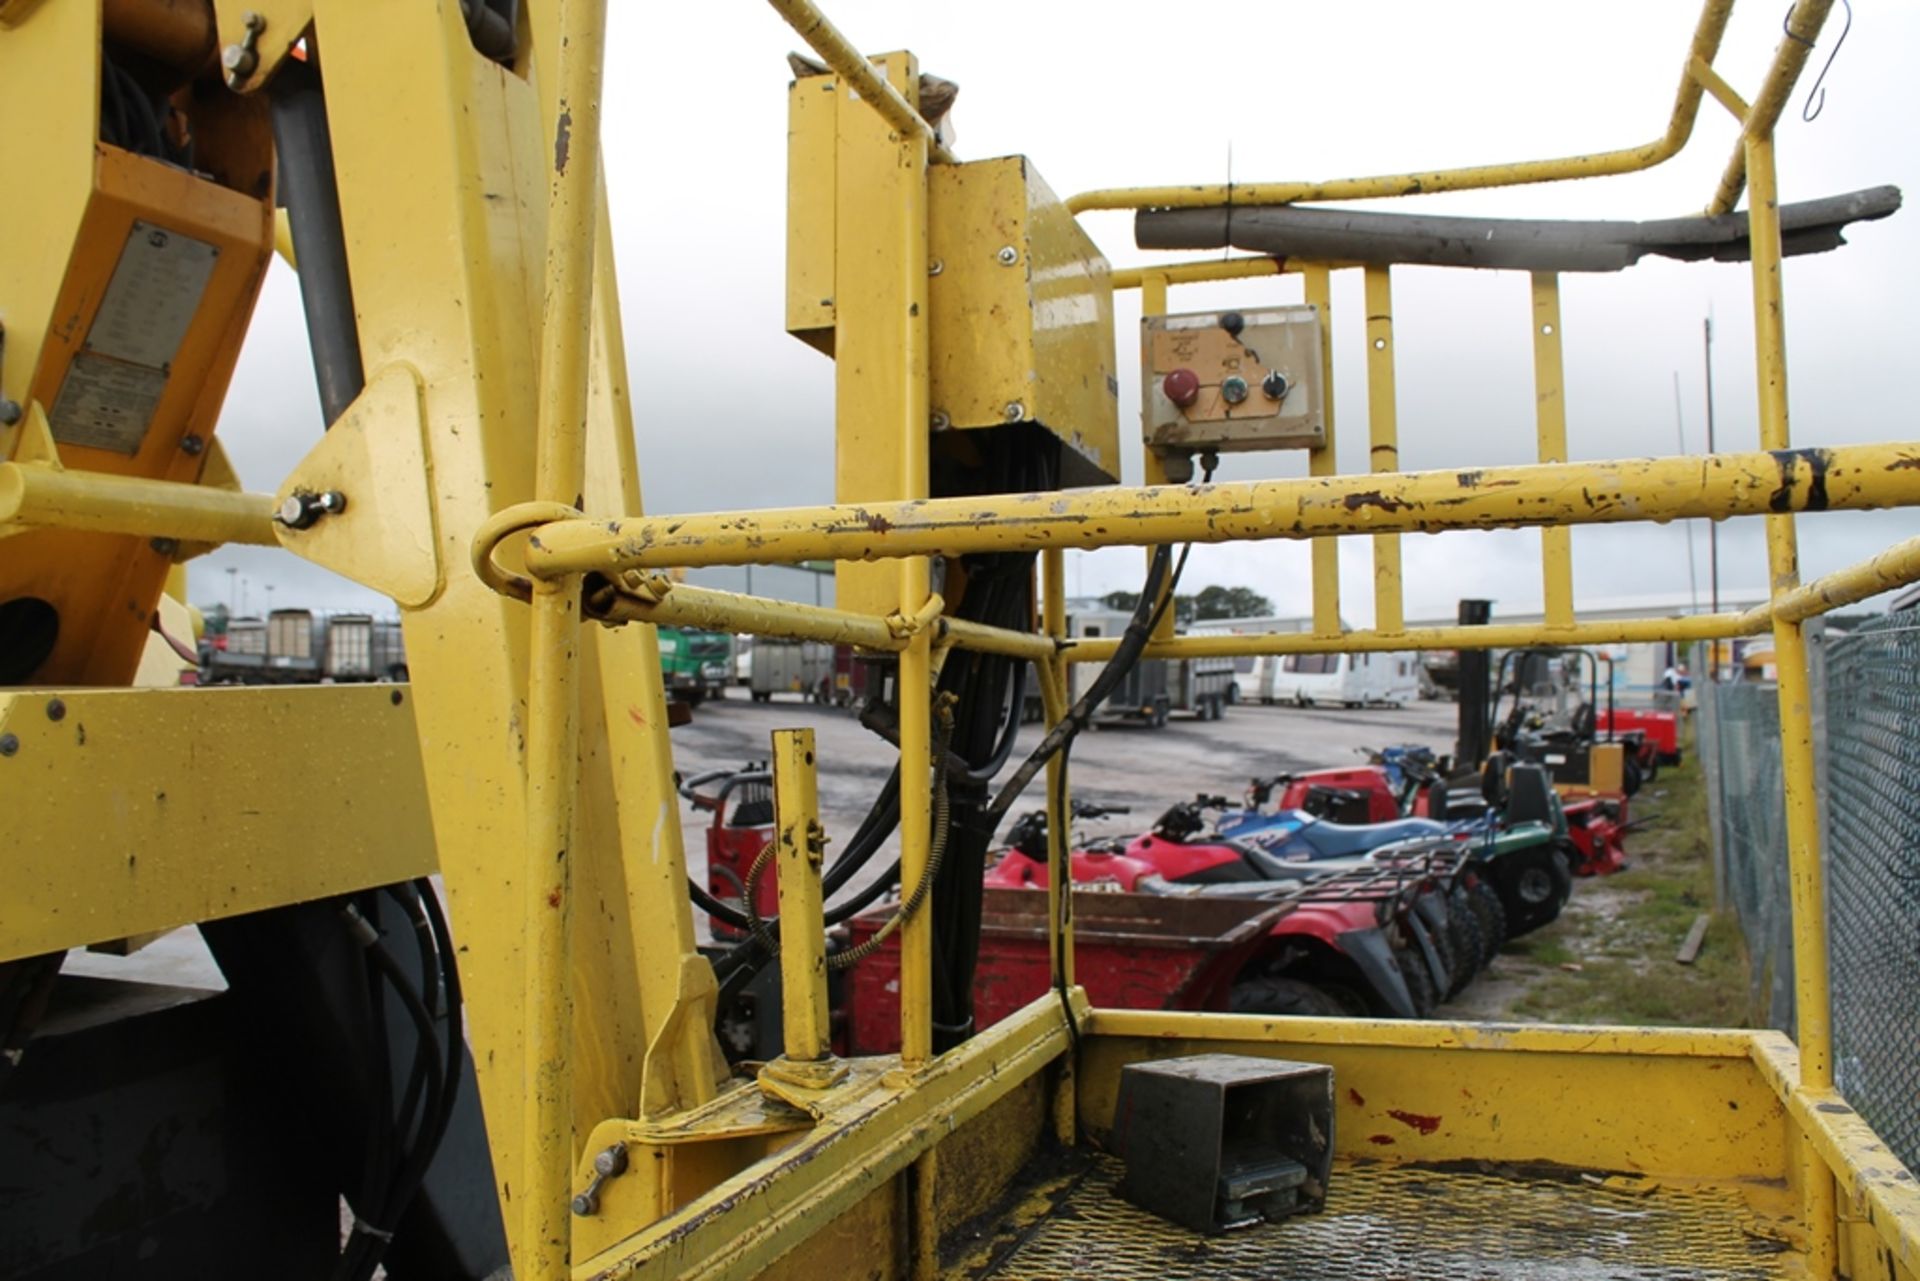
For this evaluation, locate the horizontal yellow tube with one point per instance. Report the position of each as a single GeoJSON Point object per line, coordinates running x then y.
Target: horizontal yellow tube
{"type": "Point", "coordinates": [686, 606]}
{"type": "Point", "coordinates": [36, 495]}
{"type": "Point", "coordinates": [1498, 636]}
{"type": "Point", "coordinates": [1895, 567]}
{"type": "Point", "coordinates": [994, 640]}
{"type": "Point", "coordinates": [1848, 477]}
{"type": "Point", "coordinates": [1189, 273]}
{"type": "Point", "coordinates": [683, 605]}
{"type": "Point", "coordinates": [1686, 106]}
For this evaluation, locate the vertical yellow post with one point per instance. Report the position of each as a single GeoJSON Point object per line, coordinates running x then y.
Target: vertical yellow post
{"type": "Point", "coordinates": [544, 1239]}
{"type": "Point", "coordinates": [1812, 1002]}
{"type": "Point", "coordinates": [1053, 689]}
{"type": "Point", "coordinates": [1384, 437]}
{"type": "Point", "coordinates": [1054, 692]}
{"type": "Point", "coordinates": [1324, 462]}
{"type": "Point", "coordinates": [799, 849]}
{"type": "Point", "coordinates": [1153, 302]}
{"type": "Point", "coordinates": [1550, 415]}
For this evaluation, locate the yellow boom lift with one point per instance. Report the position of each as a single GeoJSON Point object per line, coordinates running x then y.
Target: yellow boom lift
{"type": "Point", "coordinates": [539, 1076]}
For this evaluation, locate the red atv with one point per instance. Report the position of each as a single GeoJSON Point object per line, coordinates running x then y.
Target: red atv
{"type": "Point", "coordinates": [1389, 935]}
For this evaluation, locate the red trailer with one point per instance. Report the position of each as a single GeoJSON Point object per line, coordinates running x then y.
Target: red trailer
{"type": "Point", "coordinates": [1132, 952]}
{"type": "Point", "coordinates": [1661, 729]}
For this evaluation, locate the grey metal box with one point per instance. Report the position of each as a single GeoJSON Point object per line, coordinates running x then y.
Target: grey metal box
{"type": "Point", "coordinates": [1219, 1141]}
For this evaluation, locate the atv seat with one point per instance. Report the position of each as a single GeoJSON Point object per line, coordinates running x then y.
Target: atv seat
{"type": "Point", "coordinates": [1530, 795]}
{"type": "Point", "coordinates": [1335, 840]}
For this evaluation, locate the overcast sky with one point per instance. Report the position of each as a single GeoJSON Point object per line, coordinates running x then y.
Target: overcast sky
{"type": "Point", "coordinates": [1151, 94]}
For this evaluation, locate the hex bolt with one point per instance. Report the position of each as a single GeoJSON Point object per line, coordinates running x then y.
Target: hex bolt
{"type": "Point", "coordinates": [165, 546]}
{"type": "Point", "coordinates": [1016, 412]}
{"type": "Point", "coordinates": [940, 421]}
{"type": "Point", "coordinates": [192, 444]}
{"type": "Point", "coordinates": [9, 744]}
{"type": "Point", "coordinates": [610, 1164]}
{"type": "Point", "coordinates": [243, 59]}
{"type": "Point", "coordinates": [239, 61]}
{"type": "Point", "coordinates": [56, 709]}
{"type": "Point", "coordinates": [10, 412]}
{"type": "Point", "coordinates": [1008, 255]}
{"type": "Point", "coordinates": [935, 267]}
{"type": "Point", "coordinates": [302, 510]}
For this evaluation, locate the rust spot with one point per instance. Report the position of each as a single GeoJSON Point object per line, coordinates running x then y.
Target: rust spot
{"type": "Point", "coordinates": [1374, 498]}
{"type": "Point", "coordinates": [638, 719]}
{"type": "Point", "coordinates": [876, 522]}
{"type": "Point", "coordinates": [1384, 1140]}
{"type": "Point", "coordinates": [553, 898]}
{"type": "Point", "coordinates": [1424, 1124]}
{"type": "Point", "coordinates": [1817, 460]}
{"type": "Point", "coordinates": [1909, 463]}
{"type": "Point", "coordinates": [1354, 1095]}
{"type": "Point", "coordinates": [562, 140]}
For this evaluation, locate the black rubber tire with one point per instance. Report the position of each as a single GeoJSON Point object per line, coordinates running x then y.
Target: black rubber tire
{"type": "Point", "coordinates": [1535, 887]}
{"type": "Point", "coordinates": [1469, 948]}
{"type": "Point", "coordinates": [1276, 994]}
{"type": "Point", "coordinates": [1420, 986]}
{"type": "Point", "coordinates": [1493, 918]}
{"type": "Point", "coordinates": [1630, 778]}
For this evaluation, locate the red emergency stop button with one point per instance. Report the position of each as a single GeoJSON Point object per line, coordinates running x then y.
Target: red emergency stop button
{"type": "Point", "coordinates": [1182, 387]}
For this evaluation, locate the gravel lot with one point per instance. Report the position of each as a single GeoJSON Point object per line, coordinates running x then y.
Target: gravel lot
{"type": "Point", "coordinates": [1146, 769]}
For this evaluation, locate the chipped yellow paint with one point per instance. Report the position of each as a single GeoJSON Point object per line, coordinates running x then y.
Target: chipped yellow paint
{"type": "Point", "coordinates": [1844, 477]}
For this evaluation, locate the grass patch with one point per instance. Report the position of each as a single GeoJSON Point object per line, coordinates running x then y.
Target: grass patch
{"type": "Point", "coordinates": [1609, 958]}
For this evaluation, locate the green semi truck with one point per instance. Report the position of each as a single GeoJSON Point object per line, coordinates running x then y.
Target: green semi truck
{"type": "Point", "coordinates": [695, 664]}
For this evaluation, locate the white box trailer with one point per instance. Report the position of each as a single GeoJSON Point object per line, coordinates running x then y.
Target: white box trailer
{"type": "Point", "coordinates": [791, 667]}
{"type": "Point", "coordinates": [1342, 680]}
{"type": "Point", "coordinates": [360, 647]}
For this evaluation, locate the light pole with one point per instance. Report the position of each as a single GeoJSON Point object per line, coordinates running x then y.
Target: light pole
{"type": "Point", "coordinates": [233, 601]}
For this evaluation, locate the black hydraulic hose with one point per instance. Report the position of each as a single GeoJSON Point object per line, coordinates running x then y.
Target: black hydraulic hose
{"type": "Point", "coordinates": [311, 195]}
{"type": "Point", "coordinates": [1132, 642]}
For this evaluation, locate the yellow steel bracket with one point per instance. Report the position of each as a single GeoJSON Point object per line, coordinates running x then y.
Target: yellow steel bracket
{"type": "Point", "coordinates": [186, 847]}
{"type": "Point", "coordinates": [375, 456]}
{"type": "Point", "coordinates": [906, 627]}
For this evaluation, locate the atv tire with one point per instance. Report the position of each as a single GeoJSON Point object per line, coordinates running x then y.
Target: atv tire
{"type": "Point", "coordinates": [1287, 997]}
{"type": "Point", "coordinates": [1420, 986]}
{"type": "Point", "coordinates": [1536, 886]}
{"type": "Point", "coordinates": [1470, 954]}
{"type": "Point", "coordinates": [1492, 915]}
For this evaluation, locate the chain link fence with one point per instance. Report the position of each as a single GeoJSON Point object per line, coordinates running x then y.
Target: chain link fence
{"type": "Point", "coordinates": [1866, 688]}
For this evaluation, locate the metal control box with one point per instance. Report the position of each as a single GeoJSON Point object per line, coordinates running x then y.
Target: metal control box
{"type": "Point", "coordinates": [1232, 381]}
{"type": "Point", "coordinates": [1020, 299]}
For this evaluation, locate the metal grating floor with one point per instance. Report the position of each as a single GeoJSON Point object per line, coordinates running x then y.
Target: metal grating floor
{"type": "Point", "coordinates": [1400, 1222]}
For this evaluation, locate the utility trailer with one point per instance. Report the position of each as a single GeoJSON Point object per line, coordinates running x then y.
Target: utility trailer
{"type": "Point", "coordinates": [1202, 687]}
{"type": "Point", "coordinates": [237, 656]}
{"type": "Point", "coordinates": [805, 668]}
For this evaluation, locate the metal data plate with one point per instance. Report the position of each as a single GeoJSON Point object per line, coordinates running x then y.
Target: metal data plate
{"type": "Point", "coordinates": [112, 388]}
{"type": "Point", "coordinates": [1233, 363]}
